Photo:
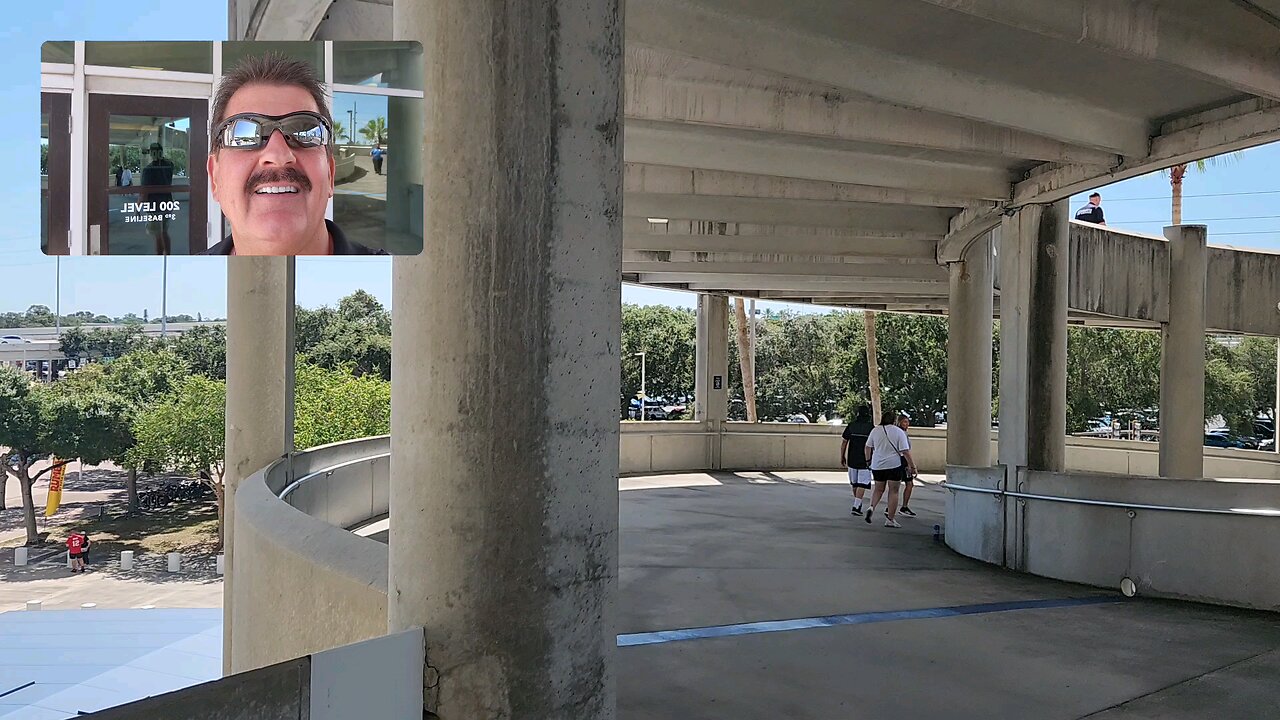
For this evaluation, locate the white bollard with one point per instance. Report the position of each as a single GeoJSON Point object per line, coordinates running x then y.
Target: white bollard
{"type": "Point", "coordinates": [88, 606]}
{"type": "Point", "coordinates": [175, 562]}
{"type": "Point", "coordinates": [222, 564]}
{"type": "Point", "coordinates": [20, 556]}
{"type": "Point", "coordinates": [33, 605]}
{"type": "Point", "coordinates": [68, 559]}
{"type": "Point", "coordinates": [126, 559]}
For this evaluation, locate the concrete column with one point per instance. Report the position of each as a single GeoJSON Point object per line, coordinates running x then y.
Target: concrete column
{"type": "Point", "coordinates": [1034, 247]}
{"type": "Point", "coordinates": [711, 359]}
{"type": "Point", "coordinates": [259, 422]}
{"type": "Point", "coordinates": [504, 450]}
{"type": "Point", "coordinates": [1182, 355]}
{"type": "Point", "coordinates": [969, 322]}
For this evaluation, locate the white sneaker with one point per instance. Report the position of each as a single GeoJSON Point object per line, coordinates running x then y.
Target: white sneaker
{"type": "Point", "coordinates": [892, 523]}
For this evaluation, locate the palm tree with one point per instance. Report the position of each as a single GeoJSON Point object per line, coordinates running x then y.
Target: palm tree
{"type": "Point", "coordinates": [873, 365]}
{"type": "Point", "coordinates": [746, 360]}
{"type": "Point", "coordinates": [339, 131]}
{"type": "Point", "coordinates": [375, 130]}
{"type": "Point", "coordinates": [1178, 172]}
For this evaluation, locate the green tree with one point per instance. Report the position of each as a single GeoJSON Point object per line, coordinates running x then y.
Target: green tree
{"type": "Point", "coordinates": [184, 433]}
{"type": "Point", "coordinates": [334, 405]}
{"type": "Point", "coordinates": [666, 336]}
{"type": "Point", "coordinates": [913, 364]}
{"type": "Point", "coordinates": [107, 343]}
{"type": "Point", "coordinates": [204, 349]}
{"type": "Point", "coordinates": [340, 131]}
{"type": "Point", "coordinates": [1228, 388]}
{"type": "Point", "coordinates": [355, 335]}
{"type": "Point", "coordinates": [39, 316]}
{"type": "Point", "coordinates": [375, 130]}
{"type": "Point", "coordinates": [141, 378]}
{"type": "Point", "coordinates": [38, 422]}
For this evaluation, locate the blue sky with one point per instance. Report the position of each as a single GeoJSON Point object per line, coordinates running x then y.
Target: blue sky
{"type": "Point", "coordinates": [1238, 200]}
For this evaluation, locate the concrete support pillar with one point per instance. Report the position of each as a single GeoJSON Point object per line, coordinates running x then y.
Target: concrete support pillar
{"type": "Point", "coordinates": [259, 422]}
{"type": "Point", "coordinates": [1182, 355]}
{"type": "Point", "coordinates": [1034, 247]}
{"type": "Point", "coordinates": [969, 323]}
{"type": "Point", "coordinates": [711, 384]}
{"type": "Point", "coordinates": [504, 451]}
{"type": "Point", "coordinates": [711, 374]}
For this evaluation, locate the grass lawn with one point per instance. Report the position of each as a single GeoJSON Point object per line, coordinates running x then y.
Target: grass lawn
{"type": "Point", "coordinates": [190, 528]}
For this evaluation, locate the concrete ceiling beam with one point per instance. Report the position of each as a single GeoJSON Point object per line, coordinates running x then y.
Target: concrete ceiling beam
{"type": "Point", "coordinates": [690, 29]}
{"type": "Point", "coordinates": [857, 286]}
{"type": "Point", "coordinates": [1137, 30]}
{"type": "Point", "coordinates": [761, 153]}
{"type": "Point", "coordinates": [851, 245]}
{"type": "Point", "coordinates": [968, 226]}
{"type": "Point", "coordinates": [1233, 127]}
{"type": "Point", "coordinates": [631, 255]}
{"type": "Point", "coordinates": [702, 228]}
{"type": "Point", "coordinates": [677, 180]}
{"type": "Point", "coordinates": [828, 270]}
{"type": "Point", "coordinates": [660, 98]}
{"type": "Point", "coordinates": [863, 217]}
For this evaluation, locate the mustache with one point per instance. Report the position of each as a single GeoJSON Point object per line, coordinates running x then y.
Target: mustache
{"type": "Point", "coordinates": [288, 175]}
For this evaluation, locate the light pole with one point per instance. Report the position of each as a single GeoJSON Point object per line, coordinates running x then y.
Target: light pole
{"type": "Point", "coordinates": [643, 395]}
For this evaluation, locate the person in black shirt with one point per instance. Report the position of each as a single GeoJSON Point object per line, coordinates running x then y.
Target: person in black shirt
{"type": "Point", "coordinates": [271, 164]}
{"type": "Point", "coordinates": [1093, 211]}
{"type": "Point", "coordinates": [854, 459]}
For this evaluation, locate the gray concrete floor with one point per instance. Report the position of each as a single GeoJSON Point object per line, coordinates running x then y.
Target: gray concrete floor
{"type": "Point", "coordinates": [700, 550]}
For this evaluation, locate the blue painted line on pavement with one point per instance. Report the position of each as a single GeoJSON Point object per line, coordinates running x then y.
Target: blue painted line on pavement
{"type": "Point", "coordinates": [716, 631]}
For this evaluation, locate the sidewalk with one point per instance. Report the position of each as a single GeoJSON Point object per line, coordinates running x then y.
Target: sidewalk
{"type": "Point", "coordinates": [104, 583]}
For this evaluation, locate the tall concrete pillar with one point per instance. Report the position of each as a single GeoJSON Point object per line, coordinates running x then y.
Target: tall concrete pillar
{"type": "Point", "coordinates": [711, 373]}
{"type": "Point", "coordinates": [259, 421]}
{"type": "Point", "coordinates": [1182, 355]}
{"type": "Point", "coordinates": [969, 322]}
{"type": "Point", "coordinates": [711, 358]}
{"type": "Point", "coordinates": [1034, 247]}
{"type": "Point", "coordinates": [504, 451]}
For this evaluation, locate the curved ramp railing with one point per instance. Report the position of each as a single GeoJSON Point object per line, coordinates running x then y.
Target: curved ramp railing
{"type": "Point", "coordinates": [301, 582]}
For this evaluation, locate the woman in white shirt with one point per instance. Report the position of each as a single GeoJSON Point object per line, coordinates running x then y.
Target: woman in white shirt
{"type": "Point", "coordinates": [887, 447]}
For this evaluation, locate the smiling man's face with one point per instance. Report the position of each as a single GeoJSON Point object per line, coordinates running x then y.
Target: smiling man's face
{"type": "Point", "coordinates": [274, 197]}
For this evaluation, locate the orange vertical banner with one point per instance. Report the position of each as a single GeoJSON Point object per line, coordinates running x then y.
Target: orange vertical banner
{"type": "Point", "coordinates": [55, 489]}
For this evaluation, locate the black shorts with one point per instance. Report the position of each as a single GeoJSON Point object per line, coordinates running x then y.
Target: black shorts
{"type": "Point", "coordinates": [887, 475]}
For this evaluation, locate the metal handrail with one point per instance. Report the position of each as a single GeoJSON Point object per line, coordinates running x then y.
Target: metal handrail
{"type": "Point", "coordinates": [1112, 503]}
{"type": "Point", "coordinates": [326, 471]}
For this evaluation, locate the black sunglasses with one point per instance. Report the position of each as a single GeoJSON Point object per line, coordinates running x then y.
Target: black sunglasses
{"type": "Point", "coordinates": [252, 131]}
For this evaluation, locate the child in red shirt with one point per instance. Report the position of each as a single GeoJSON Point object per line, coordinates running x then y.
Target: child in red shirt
{"type": "Point", "coordinates": [76, 547]}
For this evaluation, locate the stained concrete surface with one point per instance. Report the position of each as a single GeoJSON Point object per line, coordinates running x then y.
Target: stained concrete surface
{"type": "Point", "coordinates": [767, 546]}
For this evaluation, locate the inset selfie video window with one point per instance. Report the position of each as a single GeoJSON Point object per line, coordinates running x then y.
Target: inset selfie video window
{"type": "Point", "coordinates": [221, 148]}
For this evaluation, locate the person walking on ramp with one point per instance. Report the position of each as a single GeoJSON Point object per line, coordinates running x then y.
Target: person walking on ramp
{"type": "Point", "coordinates": [853, 456]}
{"type": "Point", "coordinates": [887, 447]}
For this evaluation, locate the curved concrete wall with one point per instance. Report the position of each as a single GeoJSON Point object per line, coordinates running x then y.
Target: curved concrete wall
{"type": "Point", "coordinates": [1217, 558]}
{"type": "Point", "coordinates": [656, 447]}
{"type": "Point", "coordinates": [304, 584]}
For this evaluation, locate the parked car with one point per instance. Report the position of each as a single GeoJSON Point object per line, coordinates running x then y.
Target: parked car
{"type": "Point", "coordinates": [797, 418]}
{"type": "Point", "coordinates": [1222, 440]}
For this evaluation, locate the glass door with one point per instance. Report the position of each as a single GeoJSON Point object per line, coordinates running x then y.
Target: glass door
{"type": "Point", "coordinates": [55, 173]}
{"type": "Point", "coordinates": [147, 184]}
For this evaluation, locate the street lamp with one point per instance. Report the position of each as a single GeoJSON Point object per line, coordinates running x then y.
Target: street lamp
{"type": "Point", "coordinates": [643, 396]}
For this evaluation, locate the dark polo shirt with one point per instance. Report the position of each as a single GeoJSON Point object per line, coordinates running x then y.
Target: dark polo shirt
{"type": "Point", "coordinates": [341, 245]}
